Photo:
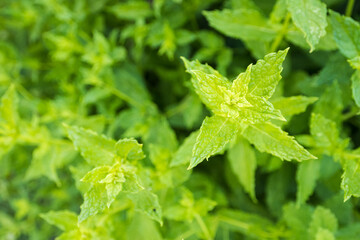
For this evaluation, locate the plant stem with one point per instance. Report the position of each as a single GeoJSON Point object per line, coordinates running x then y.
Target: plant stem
{"type": "Point", "coordinates": [203, 226]}
{"type": "Point", "coordinates": [349, 8]}
{"type": "Point", "coordinates": [280, 36]}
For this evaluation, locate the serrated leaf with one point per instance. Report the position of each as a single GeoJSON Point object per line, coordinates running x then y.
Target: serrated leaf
{"type": "Point", "coordinates": [241, 82]}
{"type": "Point", "coordinates": [95, 201]}
{"type": "Point", "coordinates": [96, 175]}
{"type": "Point", "coordinates": [96, 149]}
{"type": "Point", "coordinates": [346, 34]}
{"type": "Point", "coordinates": [210, 88]}
{"type": "Point", "coordinates": [322, 218]}
{"type": "Point", "coordinates": [306, 176]}
{"type": "Point", "coordinates": [310, 17]}
{"type": "Point", "coordinates": [215, 133]}
{"type": "Point", "coordinates": [269, 138]}
{"type": "Point", "coordinates": [129, 149]}
{"type": "Point", "coordinates": [290, 106]}
{"type": "Point", "coordinates": [65, 220]}
{"type": "Point", "coordinates": [148, 203]}
{"type": "Point", "coordinates": [184, 153]}
{"type": "Point", "coordinates": [265, 74]}
{"type": "Point", "coordinates": [355, 85]}
{"type": "Point", "coordinates": [355, 62]}
{"type": "Point", "coordinates": [245, 24]}
{"type": "Point", "coordinates": [9, 107]}
{"type": "Point", "coordinates": [243, 164]}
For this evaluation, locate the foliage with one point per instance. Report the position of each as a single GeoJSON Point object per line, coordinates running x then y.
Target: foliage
{"type": "Point", "coordinates": [109, 108]}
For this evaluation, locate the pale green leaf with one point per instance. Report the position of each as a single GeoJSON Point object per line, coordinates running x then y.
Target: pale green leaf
{"type": "Point", "coordinates": [196, 65]}
{"type": "Point", "coordinates": [265, 74]}
{"type": "Point", "coordinates": [355, 62]}
{"type": "Point", "coordinates": [290, 106]}
{"type": "Point", "coordinates": [210, 88]}
{"type": "Point", "coordinates": [355, 85]}
{"type": "Point", "coordinates": [132, 10]}
{"type": "Point", "coordinates": [306, 176]}
{"type": "Point", "coordinates": [243, 164]}
{"type": "Point", "coordinates": [96, 175]}
{"type": "Point", "coordinates": [46, 159]}
{"type": "Point", "coordinates": [269, 138]}
{"type": "Point", "coordinates": [95, 201]}
{"type": "Point", "coordinates": [324, 234]}
{"type": "Point", "coordinates": [245, 24]}
{"type": "Point", "coordinates": [215, 133]}
{"type": "Point", "coordinates": [322, 218]}
{"type": "Point", "coordinates": [96, 149]}
{"type": "Point", "coordinates": [240, 84]}
{"type": "Point", "coordinates": [9, 107]}
{"type": "Point", "coordinates": [278, 12]}
{"type": "Point", "coordinates": [148, 203]}
{"type": "Point", "coordinates": [129, 149]}
{"type": "Point", "coordinates": [346, 34]}
{"type": "Point", "coordinates": [65, 220]}
{"type": "Point", "coordinates": [310, 17]}
{"type": "Point", "coordinates": [184, 153]}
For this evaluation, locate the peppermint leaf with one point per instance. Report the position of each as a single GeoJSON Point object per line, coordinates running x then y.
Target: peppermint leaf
{"type": "Point", "coordinates": [310, 17]}
{"type": "Point", "coordinates": [269, 138]}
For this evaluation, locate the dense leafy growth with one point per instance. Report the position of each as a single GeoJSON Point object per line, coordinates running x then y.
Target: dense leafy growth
{"type": "Point", "coordinates": [109, 108]}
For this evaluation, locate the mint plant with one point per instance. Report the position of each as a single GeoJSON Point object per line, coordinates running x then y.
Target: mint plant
{"type": "Point", "coordinates": [108, 110]}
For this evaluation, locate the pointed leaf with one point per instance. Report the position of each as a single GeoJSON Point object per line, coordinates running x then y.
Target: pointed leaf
{"type": "Point", "coordinates": [129, 149]}
{"type": "Point", "coordinates": [95, 200]}
{"type": "Point", "coordinates": [243, 164]}
{"type": "Point", "coordinates": [215, 133]}
{"type": "Point", "coordinates": [310, 17]}
{"type": "Point", "coordinates": [245, 24]}
{"type": "Point", "coordinates": [65, 220]}
{"type": "Point", "coordinates": [306, 177]}
{"type": "Point", "coordinates": [96, 149]}
{"type": "Point", "coordinates": [269, 138]}
{"type": "Point", "coordinates": [346, 34]}
{"type": "Point", "coordinates": [184, 153]}
{"type": "Point", "coordinates": [148, 203]}
{"type": "Point", "coordinates": [265, 74]}
{"type": "Point", "coordinates": [290, 106]}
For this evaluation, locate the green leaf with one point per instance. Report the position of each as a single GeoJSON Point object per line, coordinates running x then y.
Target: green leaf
{"type": "Point", "coordinates": [269, 138]}
{"type": "Point", "coordinates": [210, 89]}
{"type": "Point", "coordinates": [47, 159]}
{"type": "Point", "coordinates": [248, 224]}
{"type": "Point", "coordinates": [215, 133]}
{"type": "Point", "coordinates": [65, 220]}
{"type": "Point", "coordinates": [324, 234]}
{"type": "Point", "coordinates": [355, 62]}
{"type": "Point", "coordinates": [184, 153]}
{"type": "Point", "coordinates": [355, 85]}
{"type": "Point", "coordinates": [351, 177]}
{"type": "Point", "coordinates": [290, 106]}
{"type": "Point", "coordinates": [322, 218]}
{"type": "Point", "coordinates": [131, 10]}
{"type": "Point", "coordinates": [324, 132]}
{"type": "Point", "coordinates": [306, 176]}
{"type": "Point", "coordinates": [148, 203]}
{"type": "Point", "coordinates": [96, 149]}
{"type": "Point", "coordinates": [95, 200]}
{"type": "Point", "coordinates": [129, 149]}
{"type": "Point", "coordinates": [265, 74]}
{"type": "Point", "coordinates": [245, 24]}
{"type": "Point", "coordinates": [298, 219]}
{"type": "Point", "coordinates": [243, 164]}
{"type": "Point", "coordinates": [310, 17]}
{"type": "Point", "coordinates": [346, 34]}
{"type": "Point", "coordinates": [9, 107]}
